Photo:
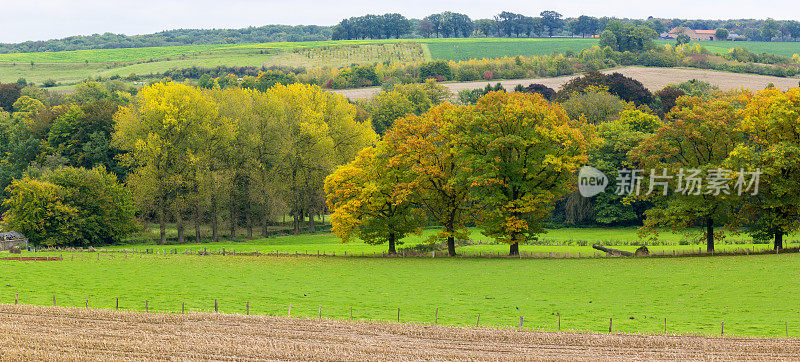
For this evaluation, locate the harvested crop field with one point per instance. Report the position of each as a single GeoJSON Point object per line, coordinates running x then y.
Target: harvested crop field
{"type": "Point", "coordinates": [652, 78]}
{"type": "Point", "coordinates": [55, 333]}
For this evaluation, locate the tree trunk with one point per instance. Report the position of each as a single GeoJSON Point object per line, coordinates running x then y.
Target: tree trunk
{"type": "Point", "coordinates": [180, 226]}
{"type": "Point", "coordinates": [249, 222]}
{"type": "Point", "coordinates": [162, 227]}
{"type": "Point", "coordinates": [779, 240]}
{"type": "Point", "coordinates": [709, 235]}
{"type": "Point", "coordinates": [265, 223]}
{"type": "Point", "coordinates": [312, 227]}
{"type": "Point", "coordinates": [514, 249]}
{"type": "Point", "coordinates": [451, 245]}
{"type": "Point", "coordinates": [198, 221]}
{"type": "Point", "coordinates": [214, 220]}
{"type": "Point", "coordinates": [232, 223]}
{"type": "Point", "coordinates": [391, 243]}
{"type": "Point", "coordinates": [296, 222]}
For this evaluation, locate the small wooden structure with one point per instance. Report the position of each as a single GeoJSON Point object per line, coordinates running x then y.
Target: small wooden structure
{"type": "Point", "coordinates": [11, 239]}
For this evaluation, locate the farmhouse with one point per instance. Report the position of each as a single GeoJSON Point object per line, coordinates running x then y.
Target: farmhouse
{"type": "Point", "coordinates": [10, 239]}
{"type": "Point", "coordinates": [694, 34]}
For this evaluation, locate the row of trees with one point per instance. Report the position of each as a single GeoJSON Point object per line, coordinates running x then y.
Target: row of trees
{"type": "Point", "coordinates": [208, 157]}
{"type": "Point", "coordinates": [505, 160]}
{"type": "Point", "coordinates": [195, 153]}
{"type": "Point", "coordinates": [507, 164]}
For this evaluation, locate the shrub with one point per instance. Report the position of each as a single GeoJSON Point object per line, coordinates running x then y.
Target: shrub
{"type": "Point", "coordinates": [438, 69]}
{"type": "Point", "coordinates": [70, 207]}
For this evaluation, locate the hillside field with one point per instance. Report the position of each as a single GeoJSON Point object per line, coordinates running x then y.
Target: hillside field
{"type": "Point", "coordinates": [70, 67]}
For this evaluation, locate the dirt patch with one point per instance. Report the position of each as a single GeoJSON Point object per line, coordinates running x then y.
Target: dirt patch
{"type": "Point", "coordinates": [652, 78]}
{"type": "Point", "coordinates": [54, 333]}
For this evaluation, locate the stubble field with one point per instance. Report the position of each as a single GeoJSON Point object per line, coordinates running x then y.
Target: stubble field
{"type": "Point", "coordinates": [87, 334]}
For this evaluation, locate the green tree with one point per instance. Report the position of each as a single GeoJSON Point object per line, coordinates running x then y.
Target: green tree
{"type": "Point", "coordinates": [71, 207]}
{"type": "Point", "coordinates": [164, 129]}
{"type": "Point", "coordinates": [521, 155]}
{"type": "Point", "coordinates": [695, 140]}
{"type": "Point", "coordinates": [721, 33]}
{"type": "Point", "coordinates": [769, 30]}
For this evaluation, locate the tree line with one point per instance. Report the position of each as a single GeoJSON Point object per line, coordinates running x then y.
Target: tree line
{"type": "Point", "coordinates": [507, 164]}
{"type": "Point", "coordinates": [393, 25]}
{"type": "Point", "coordinates": [413, 156]}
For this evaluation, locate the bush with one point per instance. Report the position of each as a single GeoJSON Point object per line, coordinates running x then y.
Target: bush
{"type": "Point", "coordinates": [70, 207]}
{"type": "Point", "coordinates": [438, 69]}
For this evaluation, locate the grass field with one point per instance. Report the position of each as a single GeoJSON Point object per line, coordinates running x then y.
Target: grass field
{"type": "Point", "coordinates": [754, 295]}
{"type": "Point", "coordinates": [70, 67]}
{"type": "Point", "coordinates": [55, 333]}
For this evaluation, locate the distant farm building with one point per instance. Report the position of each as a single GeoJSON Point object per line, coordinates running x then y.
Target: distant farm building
{"type": "Point", "coordinates": [695, 34]}
{"type": "Point", "coordinates": [10, 239]}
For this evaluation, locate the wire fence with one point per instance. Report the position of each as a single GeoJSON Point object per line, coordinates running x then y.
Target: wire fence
{"type": "Point", "coordinates": [557, 321]}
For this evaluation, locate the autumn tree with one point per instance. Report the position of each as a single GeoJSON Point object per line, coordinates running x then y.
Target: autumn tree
{"type": "Point", "coordinates": [165, 130]}
{"type": "Point", "coordinates": [771, 147]}
{"type": "Point", "coordinates": [521, 155]}
{"type": "Point", "coordinates": [696, 138]}
{"type": "Point", "coordinates": [366, 202]}
{"type": "Point", "coordinates": [319, 130]}
{"type": "Point", "coordinates": [424, 146]}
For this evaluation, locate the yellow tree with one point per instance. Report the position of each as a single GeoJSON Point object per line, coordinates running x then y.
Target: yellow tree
{"type": "Point", "coordinates": [318, 131]}
{"type": "Point", "coordinates": [522, 153]}
{"type": "Point", "coordinates": [166, 130]}
{"type": "Point", "coordinates": [696, 137]}
{"type": "Point", "coordinates": [771, 148]}
{"type": "Point", "coordinates": [366, 203]}
{"type": "Point", "coordinates": [423, 146]}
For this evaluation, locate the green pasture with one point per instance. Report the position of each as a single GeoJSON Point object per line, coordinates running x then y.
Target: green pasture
{"type": "Point", "coordinates": [754, 295]}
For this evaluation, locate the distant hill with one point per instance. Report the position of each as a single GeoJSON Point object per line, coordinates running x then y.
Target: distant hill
{"type": "Point", "coordinates": [262, 34]}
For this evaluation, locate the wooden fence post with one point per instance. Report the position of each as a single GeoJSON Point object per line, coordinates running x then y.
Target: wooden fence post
{"type": "Point", "coordinates": [610, 324]}
{"type": "Point", "coordinates": [351, 312]}
{"type": "Point", "coordinates": [183, 307]}
{"type": "Point", "coordinates": [520, 322]}
{"type": "Point", "coordinates": [398, 315]}
{"type": "Point", "coordinates": [87, 302]}
{"type": "Point", "coordinates": [559, 321]}
{"type": "Point", "coordinates": [54, 300]}
{"type": "Point", "coordinates": [248, 307]}
{"type": "Point", "coordinates": [665, 325]}
{"type": "Point", "coordinates": [320, 312]}
{"type": "Point", "coordinates": [16, 298]}
{"type": "Point", "coordinates": [216, 306]}
{"type": "Point", "coordinates": [722, 329]}
{"type": "Point", "coordinates": [146, 306]}
{"type": "Point", "coordinates": [436, 320]}
{"type": "Point", "coordinates": [290, 311]}
{"type": "Point", "coordinates": [478, 322]}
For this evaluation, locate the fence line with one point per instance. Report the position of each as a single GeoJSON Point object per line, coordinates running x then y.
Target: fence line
{"type": "Point", "coordinates": [130, 253]}
{"type": "Point", "coordinates": [434, 321]}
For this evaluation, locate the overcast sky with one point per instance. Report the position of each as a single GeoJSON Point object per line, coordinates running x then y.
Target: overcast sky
{"type": "Point", "coordinates": [22, 20]}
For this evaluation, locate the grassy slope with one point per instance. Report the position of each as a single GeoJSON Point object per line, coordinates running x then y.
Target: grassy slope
{"type": "Point", "coordinates": [754, 295]}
